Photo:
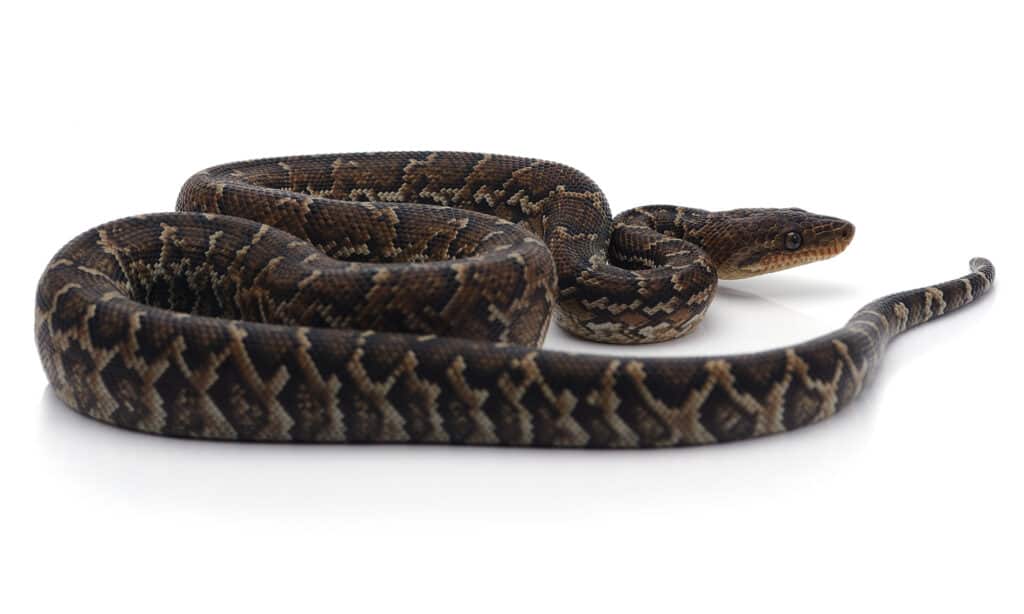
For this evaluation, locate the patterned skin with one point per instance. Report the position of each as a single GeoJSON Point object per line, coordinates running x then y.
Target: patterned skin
{"type": "Point", "coordinates": [207, 325]}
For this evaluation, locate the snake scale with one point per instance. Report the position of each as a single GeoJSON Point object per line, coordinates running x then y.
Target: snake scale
{"type": "Point", "coordinates": [402, 297]}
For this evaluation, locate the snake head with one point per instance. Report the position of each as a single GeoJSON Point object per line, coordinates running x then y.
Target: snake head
{"type": "Point", "coordinates": [748, 242]}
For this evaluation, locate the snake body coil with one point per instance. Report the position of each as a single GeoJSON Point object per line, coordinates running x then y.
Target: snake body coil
{"type": "Point", "coordinates": [402, 297]}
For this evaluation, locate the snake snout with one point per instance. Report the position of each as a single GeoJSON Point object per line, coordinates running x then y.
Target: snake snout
{"type": "Point", "coordinates": [846, 232]}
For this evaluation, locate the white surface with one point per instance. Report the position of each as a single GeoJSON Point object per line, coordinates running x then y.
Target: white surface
{"type": "Point", "coordinates": [905, 117]}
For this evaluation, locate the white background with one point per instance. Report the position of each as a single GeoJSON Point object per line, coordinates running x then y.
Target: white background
{"type": "Point", "coordinates": [904, 117]}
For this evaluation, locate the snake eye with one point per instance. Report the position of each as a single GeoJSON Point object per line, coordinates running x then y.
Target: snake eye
{"type": "Point", "coordinates": [793, 241]}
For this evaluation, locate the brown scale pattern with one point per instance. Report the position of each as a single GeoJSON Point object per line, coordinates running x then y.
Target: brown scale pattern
{"type": "Point", "coordinates": [402, 297]}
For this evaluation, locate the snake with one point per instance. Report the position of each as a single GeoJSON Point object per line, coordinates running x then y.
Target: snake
{"type": "Point", "coordinates": [403, 297]}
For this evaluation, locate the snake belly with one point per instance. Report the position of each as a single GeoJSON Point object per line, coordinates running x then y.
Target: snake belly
{"type": "Point", "coordinates": [402, 297]}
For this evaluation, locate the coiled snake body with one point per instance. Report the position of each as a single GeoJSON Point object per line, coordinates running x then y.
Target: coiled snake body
{"type": "Point", "coordinates": [402, 297]}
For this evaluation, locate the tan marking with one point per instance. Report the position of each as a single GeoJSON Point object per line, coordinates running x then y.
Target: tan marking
{"type": "Point", "coordinates": [569, 431]}
{"type": "Point", "coordinates": [392, 424]}
{"type": "Point", "coordinates": [968, 290]}
{"type": "Point", "coordinates": [473, 400]}
{"type": "Point", "coordinates": [902, 315]}
{"type": "Point", "coordinates": [308, 279]}
{"type": "Point", "coordinates": [605, 398]}
{"type": "Point", "coordinates": [682, 422]}
{"type": "Point", "coordinates": [933, 295]}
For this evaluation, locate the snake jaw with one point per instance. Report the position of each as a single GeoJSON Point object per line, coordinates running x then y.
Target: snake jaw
{"type": "Point", "coordinates": [780, 261]}
{"type": "Point", "coordinates": [822, 238]}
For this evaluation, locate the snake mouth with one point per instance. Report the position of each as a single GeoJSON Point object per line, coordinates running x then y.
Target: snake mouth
{"type": "Point", "coordinates": [778, 262]}
{"type": "Point", "coordinates": [781, 260]}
